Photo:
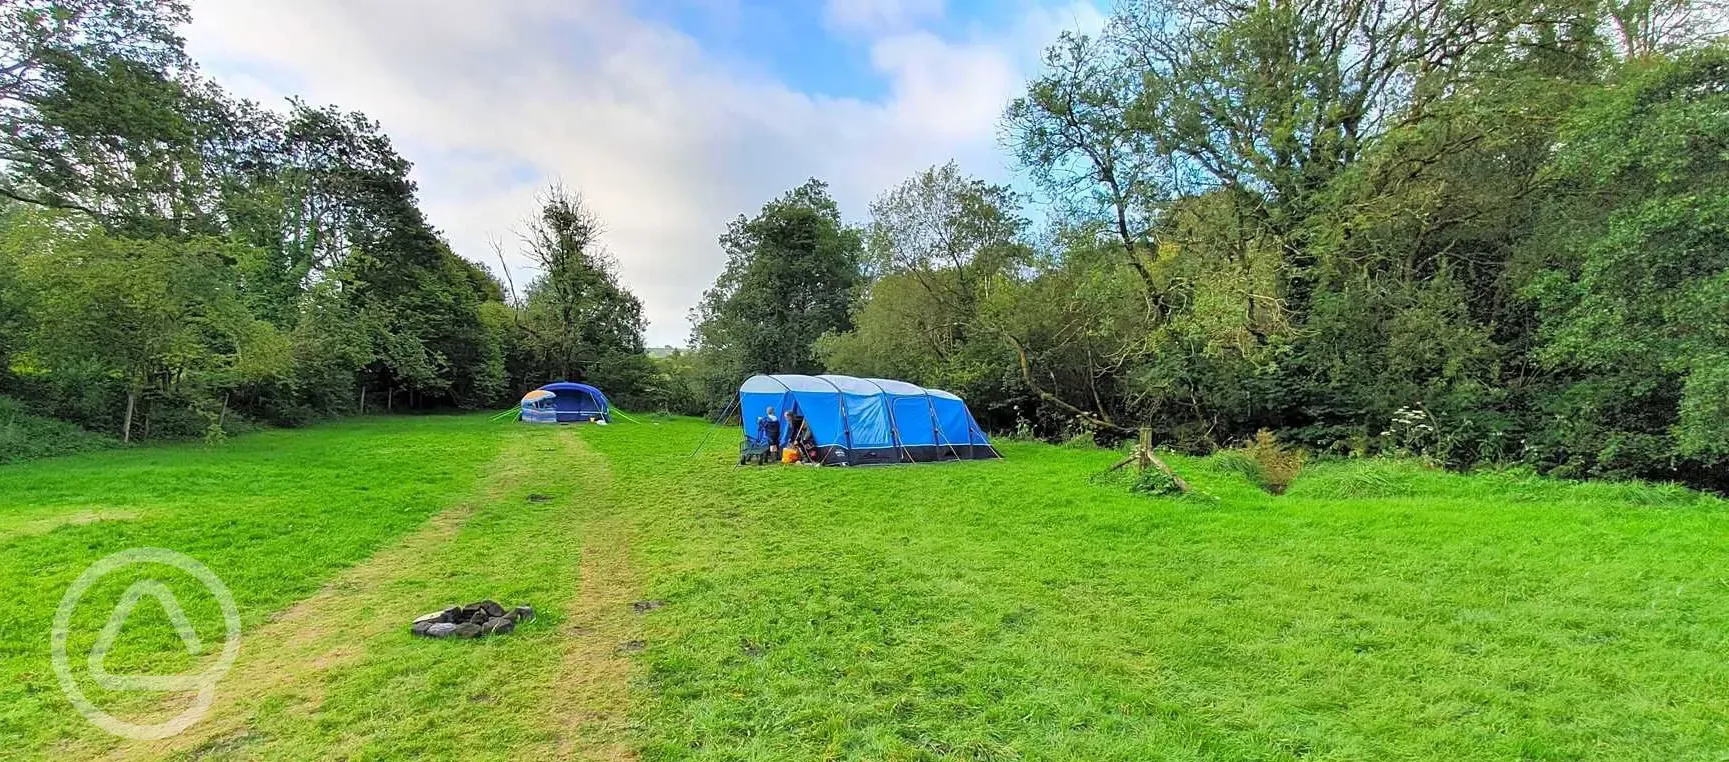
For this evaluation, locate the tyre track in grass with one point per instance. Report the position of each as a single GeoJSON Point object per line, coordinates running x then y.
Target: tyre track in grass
{"type": "Point", "coordinates": [601, 634]}
{"type": "Point", "coordinates": [286, 658]}
{"type": "Point", "coordinates": [563, 690]}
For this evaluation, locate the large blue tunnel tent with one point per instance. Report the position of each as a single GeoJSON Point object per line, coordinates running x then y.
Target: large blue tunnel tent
{"type": "Point", "coordinates": [565, 402]}
{"type": "Point", "coordinates": [860, 421]}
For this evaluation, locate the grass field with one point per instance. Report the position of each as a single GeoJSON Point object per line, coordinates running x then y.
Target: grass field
{"type": "Point", "coordinates": [984, 610]}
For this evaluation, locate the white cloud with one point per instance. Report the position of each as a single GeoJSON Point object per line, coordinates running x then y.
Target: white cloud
{"type": "Point", "coordinates": [878, 15]}
{"type": "Point", "coordinates": [662, 139]}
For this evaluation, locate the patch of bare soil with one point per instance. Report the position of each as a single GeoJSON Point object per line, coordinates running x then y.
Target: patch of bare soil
{"type": "Point", "coordinates": [45, 525]}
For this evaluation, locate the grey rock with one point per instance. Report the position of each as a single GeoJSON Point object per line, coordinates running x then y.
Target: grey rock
{"type": "Point", "coordinates": [485, 617]}
{"type": "Point", "coordinates": [645, 606]}
{"type": "Point", "coordinates": [631, 646]}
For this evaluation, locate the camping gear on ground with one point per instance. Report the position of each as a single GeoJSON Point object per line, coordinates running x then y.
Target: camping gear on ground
{"type": "Point", "coordinates": [863, 421]}
{"type": "Point", "coordinates": [753, 448]}
{"type": "Point", "coordinates": [789, 455]}
{"type": "Point", "coordinates": [566, 402]}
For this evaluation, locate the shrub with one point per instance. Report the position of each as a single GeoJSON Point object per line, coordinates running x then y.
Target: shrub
{"type": "Point", "coordinates": [1275, 465]}
{"type": "Point", "coordinates": [1081, 441]}
{"type": "Point", "coordinates": [1149, 482]}
{"type": "Point", "coordinates": [1152, 481]}
{"type": "Point", "coordinates": [1236, 463]}
{"type": "Point", "coordinates": [25, 436]}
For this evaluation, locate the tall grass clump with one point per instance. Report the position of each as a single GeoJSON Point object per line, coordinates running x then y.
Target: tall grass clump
{"type": "Point", "coordinates": [1372, 478]}
{"type": "Point", "coordinates": [1264, 461]}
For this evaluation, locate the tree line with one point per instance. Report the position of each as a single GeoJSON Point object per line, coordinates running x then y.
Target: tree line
{"type": "Point", "coordinates": [1477, 231]}
{"type": "Point", "coordinates": [178, 262]}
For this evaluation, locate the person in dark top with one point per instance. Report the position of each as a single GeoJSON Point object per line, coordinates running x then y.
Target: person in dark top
{"type": "Point", "coordinates": [806, 444]}
{"type": "Point", "coordinates": [798, 436]}
{"type": "Point", "coordinates": [770, 428]}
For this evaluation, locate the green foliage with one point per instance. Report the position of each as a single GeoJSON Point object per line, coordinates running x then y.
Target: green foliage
{"type": "Point", "coordinates": [174, 258]}
{"type": "Point", "coordinates": [1264, 218]}
{"type": "Point", "coordinates": [26, 436]}
{"type": "Point", "coordinates": [1080, 440]}
{"type": "Point", "coordinates": [942, 247]}
{"type": "Point", "coordinates": [790, 277]}
{"type": "Point", "coordinates": [1312, 218]}
{"type": "Point", "coordinates": [1636, 317]}
{"type": "Point", "coordinates": [97, 111]}
{"type": "Point", "coordinates": [155, 315]}
{"type": "Point", "coordinates": [1152, 481]}
{"type": "Point", "coordinates": [1236, 462]}
{"type": "Point", "coordinates": [577, 323]}
{"type": "Point", "coordinates": [687, 383]}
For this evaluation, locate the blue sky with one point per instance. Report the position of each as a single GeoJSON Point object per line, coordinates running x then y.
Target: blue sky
{"type": "Point", "coordinates": [814, 48]}
{"type": "Point", "coordinates": [669, 117]}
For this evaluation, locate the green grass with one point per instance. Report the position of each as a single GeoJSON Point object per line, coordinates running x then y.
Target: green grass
{"type": "Point", "coordinates": [273, 514]}
{"type": "Point", "coordinates": [382, 694]}
{"type": "Point", "coordinates": [985, 610]}
{"type": "Point", "coordinates": [1014, 611]}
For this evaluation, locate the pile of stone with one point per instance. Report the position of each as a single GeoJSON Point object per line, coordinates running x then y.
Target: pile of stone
{"type": "Point", "coordinates": [471, 621]}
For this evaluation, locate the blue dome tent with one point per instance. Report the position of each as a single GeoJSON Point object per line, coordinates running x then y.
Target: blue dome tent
{"type": "Point", "coordinates": [860, 421]}
{"type": "Point", "coordinates": [565, 402]}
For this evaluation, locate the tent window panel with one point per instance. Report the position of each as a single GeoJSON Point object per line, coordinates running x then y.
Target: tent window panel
{"type": "Point", "coordinates": [913, 422]}
{"type": "Point", "coordinates": [868, 422]}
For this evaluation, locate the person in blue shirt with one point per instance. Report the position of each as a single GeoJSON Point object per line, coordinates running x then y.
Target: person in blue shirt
{"type": "Point", "coordinates": [769, 427]}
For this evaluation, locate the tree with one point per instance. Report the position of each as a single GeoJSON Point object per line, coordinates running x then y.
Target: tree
{"type": "Point", "coordinates": [206, 255]}
{"type": "Point", "coordinates": [148, 315]}
{"type": "Point", "coordinates": [941, 221]}
{"type": "Point", "coordinates": [939, 245]}
{"type": "Point", "coordinates": [96, 112]}
{"type": "Point", "coordinates": [1644, 27]}
{"type": "Point", "coordinates": [1073, 133]}
{"type": "Point", "coordinates": [14, 311]}
{"type": "Point", "coordinates": [790, 277]}
{"type": "Point", "coordinates": [576, 316]}
{"type": "Point", "coordinates": [1636, 311]}
{"type": "Point", "coordinates": [1279, 177]}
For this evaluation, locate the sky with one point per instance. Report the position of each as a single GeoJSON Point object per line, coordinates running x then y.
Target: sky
{"type": "Point", "coordinates": [670, 117]}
